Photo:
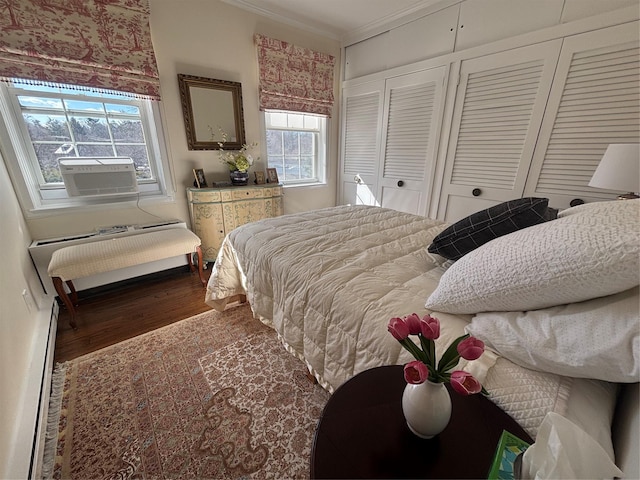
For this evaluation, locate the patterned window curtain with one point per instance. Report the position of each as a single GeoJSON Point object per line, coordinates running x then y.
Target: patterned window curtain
{"type": "Point", "coordinates": [96, 44]}
{"type": "Point", "coordinates": [294, 78]}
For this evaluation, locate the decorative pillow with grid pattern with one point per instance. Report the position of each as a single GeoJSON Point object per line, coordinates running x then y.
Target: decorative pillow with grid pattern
{"type": "Point", "coordinates": [481, 227]}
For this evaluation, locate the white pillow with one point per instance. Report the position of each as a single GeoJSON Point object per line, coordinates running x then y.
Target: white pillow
{"type": "Point", "coordinates": [598, 338]}
{"type": "Point", "coordinates": [590, 251]}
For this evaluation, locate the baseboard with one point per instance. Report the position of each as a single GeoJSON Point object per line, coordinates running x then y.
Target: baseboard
{"type": "Point", "coordinates": [27, 445]}
{"type": "Point", "coordinates": [37, 452]}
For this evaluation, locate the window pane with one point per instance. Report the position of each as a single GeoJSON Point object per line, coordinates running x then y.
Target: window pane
{"type": "Point", "coordinates": [90, 129]}
{"type": "Point", "coordinates": [274, 160]}
{"type": "Point", "coordinates": [127, 131]}
{"type": "Point", "coordinates": [47, 127]}
{"type": "Point", "coordinates": [306, 167]}
{"type": "Point", "coordinates": [79, 106]}
{"type": "Point", "coordinates": [296, 121]}
{"type": "Point", "coordinates": [311, 122]}
{"type": "Point", "coordinates": [122, 109]}
{"type": "Point", "coordinates": [47, 156]}
{"type": "Point", "coordinates": [95, 150]}
{"type": "Point", "coordinates": [306, 143]}
{"type": "Point", "coordinates": [291, 143]}
{"type": "Point", "coordinates": [291, 168]}
{"type": "Point", "coordinates": [278, 119]}
{"type": "Point", "coordinates": [37, 102]}
{"type": "Point", "coordinates": [274, 142]}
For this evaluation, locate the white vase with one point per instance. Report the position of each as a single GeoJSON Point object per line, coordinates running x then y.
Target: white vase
{"type": "Point", "coordinates": [427, 408]}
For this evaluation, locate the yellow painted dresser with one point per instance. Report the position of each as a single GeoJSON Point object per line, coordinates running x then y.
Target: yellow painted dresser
{"type": "Point", "coordinates": [216, 211]}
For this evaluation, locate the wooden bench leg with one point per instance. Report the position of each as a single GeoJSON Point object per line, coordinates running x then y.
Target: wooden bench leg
{"type": "Point", "coordinates": [74, 294]}
{"type": "Point", "coordinates": [192, 267]}
{"type": "Point", "coordinates": [57, 282]}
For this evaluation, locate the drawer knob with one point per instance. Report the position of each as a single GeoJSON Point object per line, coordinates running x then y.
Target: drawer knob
{"type": "Point", "coordinates": [476, 192]}
{"type": "Point", "coordinates": [575, 202]}
{"type": "Point", "coordinates": [400, 183]}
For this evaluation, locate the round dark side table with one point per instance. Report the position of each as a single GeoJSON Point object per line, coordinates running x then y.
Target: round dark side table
{"type": "Point", "coordinates": [362, 433]}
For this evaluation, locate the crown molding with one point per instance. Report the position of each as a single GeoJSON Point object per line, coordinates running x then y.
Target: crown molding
{"type": "Point", "coordinates": [400, 17]}
{"type": "Point", "coordinates": [278, 17]}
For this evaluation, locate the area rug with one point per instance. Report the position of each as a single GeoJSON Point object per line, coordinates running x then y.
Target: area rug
{"type": "Point", "coordinates": [213, 396]}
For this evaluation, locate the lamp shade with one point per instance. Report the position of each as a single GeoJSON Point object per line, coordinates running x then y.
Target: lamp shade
{"type": "Point", "coordinates": [619, 168]}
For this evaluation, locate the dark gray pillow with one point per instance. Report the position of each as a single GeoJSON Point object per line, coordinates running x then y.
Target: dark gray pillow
{"type": "Point", "coordinates": [483, 226]}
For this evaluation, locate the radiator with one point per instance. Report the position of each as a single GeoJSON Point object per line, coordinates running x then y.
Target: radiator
{"type": "Point", "coordinates": [42, 250]}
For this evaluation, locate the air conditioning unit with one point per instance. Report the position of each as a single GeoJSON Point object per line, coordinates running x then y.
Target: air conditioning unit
{"type": "Point", "coordinates": [91, 176]}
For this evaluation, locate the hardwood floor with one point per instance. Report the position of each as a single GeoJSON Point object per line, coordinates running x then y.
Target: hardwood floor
{"type": "Point", "coordinates": [112, 313]}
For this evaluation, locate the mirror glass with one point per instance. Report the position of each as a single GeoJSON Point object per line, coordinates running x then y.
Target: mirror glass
{"type": "Point", "coordinates": [210, 105]}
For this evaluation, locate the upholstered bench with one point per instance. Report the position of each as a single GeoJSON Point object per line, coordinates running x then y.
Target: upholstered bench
{"type": "Point", "coordinates": [78, 261]}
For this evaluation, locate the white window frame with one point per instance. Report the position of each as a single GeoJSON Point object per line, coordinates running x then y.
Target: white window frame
{"type": "Point", "coordinates": [24, 170]}
{"type": "Point", "coordinates": [320, 154]}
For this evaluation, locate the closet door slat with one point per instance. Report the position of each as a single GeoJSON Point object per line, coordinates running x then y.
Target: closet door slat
{"type": "Point", "coordinates": [599, 105]}
{"type": "Point", "coordinates": [360, 151]}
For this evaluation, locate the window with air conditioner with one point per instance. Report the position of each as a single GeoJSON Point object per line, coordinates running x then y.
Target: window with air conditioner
{"type": "Point", "coordinates": [41, 125]}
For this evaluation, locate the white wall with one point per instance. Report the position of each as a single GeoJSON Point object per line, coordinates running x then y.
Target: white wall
{"type": "Point", "coordinates": [211, 39]}
{"type": "Point", "coordinates": [23, 329]}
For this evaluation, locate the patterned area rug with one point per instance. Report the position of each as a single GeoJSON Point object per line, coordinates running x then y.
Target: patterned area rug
{"type": "Point", "coordinates": [212, 396]}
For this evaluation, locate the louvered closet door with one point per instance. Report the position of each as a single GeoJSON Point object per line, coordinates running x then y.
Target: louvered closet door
{"type": "Point", "coordinates": [498, 111]}
{"type": "Point", "coordinates": [361, 122]}
{"type": "Point", "coordinates": [411, 122]}
{"type": "Point", "coordinates": [595, 101]}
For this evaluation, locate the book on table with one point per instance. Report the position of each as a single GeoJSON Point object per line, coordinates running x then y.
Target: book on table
{"type": "Point", "coordinates": [508, 449]}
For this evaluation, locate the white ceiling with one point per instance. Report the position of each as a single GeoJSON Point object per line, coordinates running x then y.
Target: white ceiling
{"type": "Point", "coordinates": [333, 18]}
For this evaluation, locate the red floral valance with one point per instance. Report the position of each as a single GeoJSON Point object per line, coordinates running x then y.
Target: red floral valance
{"type": "Point", "coordinates": [294, 78]}
{"type": "Point", "coordinates": [102, 44]}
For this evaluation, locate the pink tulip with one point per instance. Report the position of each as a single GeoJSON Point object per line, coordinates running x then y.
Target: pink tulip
{"type": "Point", "coordinates": [464, 383]}
{"type": "Point", "coordinates": [430, 327]}
{"type": "Point", "coordinates": [470, 348]}
{"type": "Point", "coordinates": [398, 328]}
{"type": "Point", "coordinates": [415, 372]}
{"type": "Point", "coordinates": [413, 322]}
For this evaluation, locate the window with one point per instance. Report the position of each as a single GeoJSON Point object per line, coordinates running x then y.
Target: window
{"type": "Point", "coordinates": [296, 146]}
{"type": "Point", "coordinates": [44, 123]}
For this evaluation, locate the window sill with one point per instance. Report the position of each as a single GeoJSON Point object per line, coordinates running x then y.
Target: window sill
{"type": "Point", "coordinates": [300, 185]}
{"type": "Point", "coordinates": [101, 205]}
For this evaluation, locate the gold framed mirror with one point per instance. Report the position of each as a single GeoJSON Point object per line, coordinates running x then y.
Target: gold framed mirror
{"type": "Point", "coordinates": [210, 105]}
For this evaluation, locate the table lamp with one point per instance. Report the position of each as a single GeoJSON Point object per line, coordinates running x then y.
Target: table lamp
{"type": "Point", "coordinates": [619, 170]}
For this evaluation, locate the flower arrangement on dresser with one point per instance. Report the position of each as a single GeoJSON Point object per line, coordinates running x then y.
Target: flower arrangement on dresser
{"type": "Point", "coordinates": [238, 161]}
{"type": "Point", "coordinates": [425, 402]}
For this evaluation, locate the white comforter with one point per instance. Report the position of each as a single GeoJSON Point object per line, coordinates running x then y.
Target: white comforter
{"type": "Point", "coordinates": [329, 280]}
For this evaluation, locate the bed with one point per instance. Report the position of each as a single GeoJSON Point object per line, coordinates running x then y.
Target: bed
{"type": "Point", "coordinates": [329, 280]}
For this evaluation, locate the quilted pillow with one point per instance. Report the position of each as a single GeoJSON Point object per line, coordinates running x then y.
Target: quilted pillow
{"type": "Point", "coordinates": [479, 228]}
{"type": "Point", "coordinates": [598, 338]}
{"type": "Point", "coordinates": [588, 252]}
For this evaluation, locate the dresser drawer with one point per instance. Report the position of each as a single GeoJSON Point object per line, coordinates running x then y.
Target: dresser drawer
{"type": "Point", "coordinates": [205, 196]}
{"type": "Point", "coordinates": [239, 193]}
